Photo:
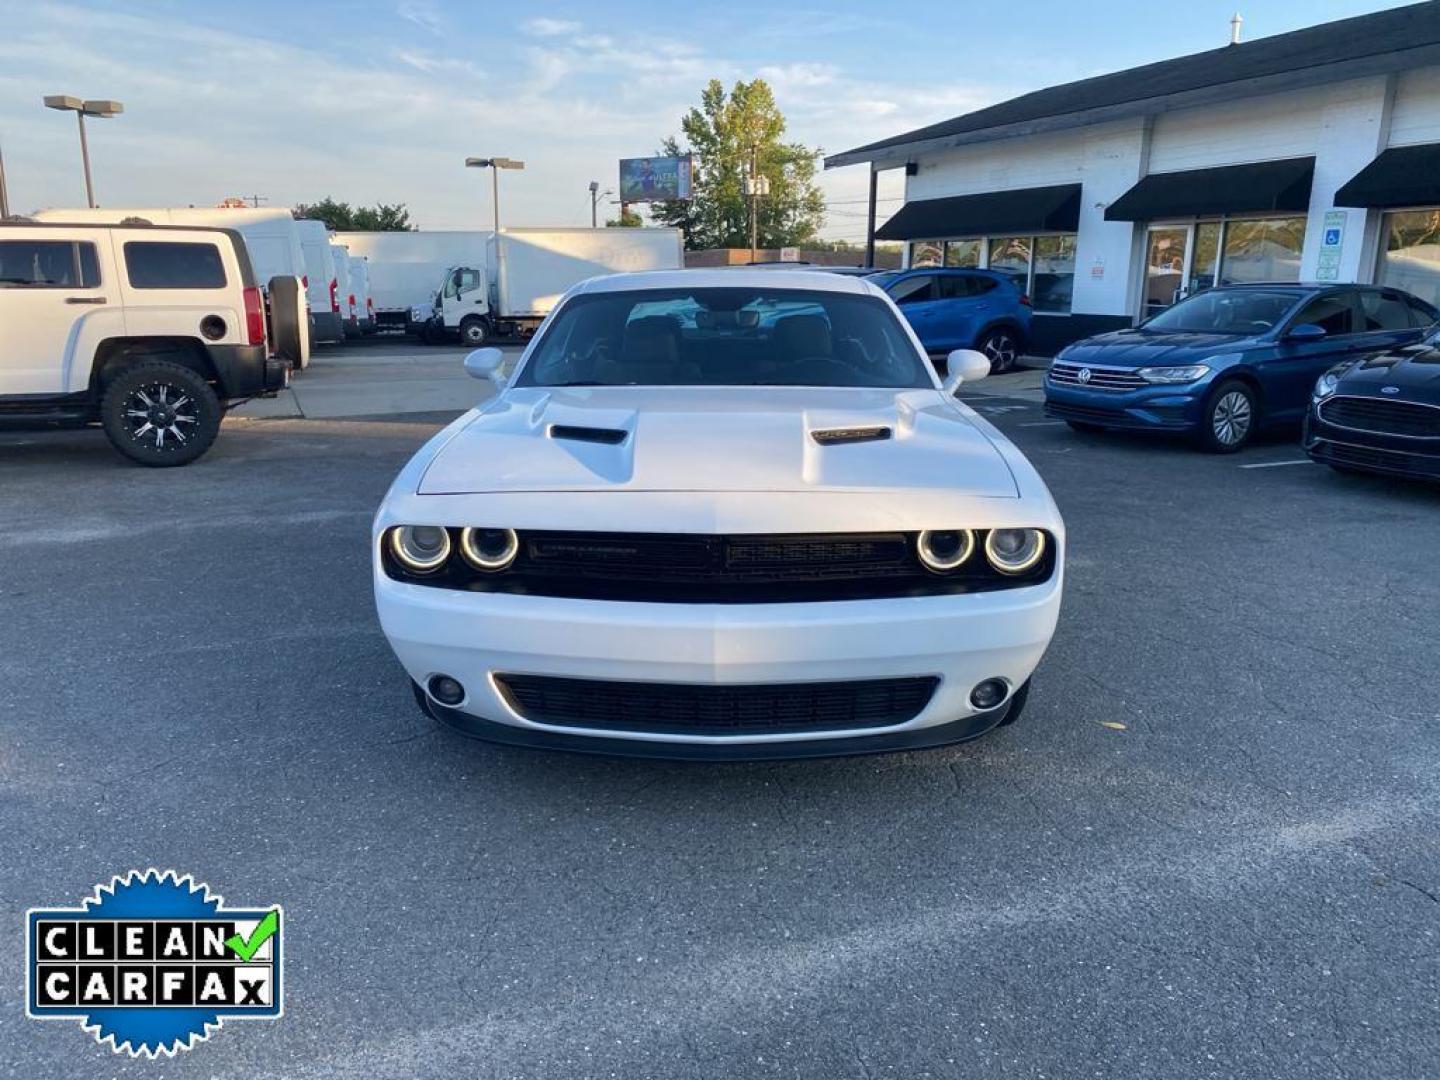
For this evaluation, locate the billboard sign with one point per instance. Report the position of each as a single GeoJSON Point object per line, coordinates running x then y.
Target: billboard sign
{"type": "Point", "coordinates": [655, 179]}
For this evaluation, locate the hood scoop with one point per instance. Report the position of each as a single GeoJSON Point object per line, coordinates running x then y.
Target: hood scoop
{"type": "Point", "coordinates": [835, 436]}
{"type": "Point", "coordinates": [578, 433]}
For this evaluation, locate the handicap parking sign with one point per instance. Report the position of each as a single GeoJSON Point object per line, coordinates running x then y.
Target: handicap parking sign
{"type": "Point", "coordinates": [1332, 237]}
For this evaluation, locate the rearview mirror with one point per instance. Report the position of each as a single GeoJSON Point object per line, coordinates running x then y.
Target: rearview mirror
{"type": "Point", "coordinates": [1305, 332]}
{"type": "Point", "coordinates": [485, 364]}
{"type": "Point", "coordinates": [962, 366]}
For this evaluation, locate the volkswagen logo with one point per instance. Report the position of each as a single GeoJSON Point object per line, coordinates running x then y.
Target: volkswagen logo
{"type": "Point", "coordinates": [1084, 375]}
{"type": "Point", "coordinates": [1389, 389]}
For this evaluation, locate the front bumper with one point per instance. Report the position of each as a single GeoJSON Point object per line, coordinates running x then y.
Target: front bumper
{"type": "Point", "coordinates": [1151, 408]}
{"type": "Point", "coordinates": [1387, 455]}
{"type": "Point", "coordinates": [960, 639]}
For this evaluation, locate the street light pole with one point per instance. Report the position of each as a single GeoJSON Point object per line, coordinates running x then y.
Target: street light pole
{"type": "Point", "coordinates": [496, 164]}
{"type": "Point", "coordinates": [82, 109]}
{"type": "Point", "coordinates": [85, 159]}
{"type": "Point", "coordinates": [4, 195]}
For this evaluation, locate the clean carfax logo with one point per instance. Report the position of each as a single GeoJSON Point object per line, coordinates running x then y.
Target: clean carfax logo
{"type": "Point", "coordinates": [153, 963]}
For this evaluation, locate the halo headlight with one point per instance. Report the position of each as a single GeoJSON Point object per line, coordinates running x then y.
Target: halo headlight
{"type": "Point", "coordinates": [943, 550]}
{"type": "Point", "coordinates": [489, 549]}
{"type": "Point", "coordinates": [1013, 551]}
{"type": "Point", "coordinates": [420, 548]}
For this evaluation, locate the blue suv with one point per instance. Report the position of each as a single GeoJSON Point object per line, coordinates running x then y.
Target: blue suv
{"type": "Point", "coordinates": [962, 309]}
{"type": "Point", "coordinates": [1223, 363]}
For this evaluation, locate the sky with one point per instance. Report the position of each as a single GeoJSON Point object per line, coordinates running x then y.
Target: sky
{"type": "Point", "coordinates": [382, 101]}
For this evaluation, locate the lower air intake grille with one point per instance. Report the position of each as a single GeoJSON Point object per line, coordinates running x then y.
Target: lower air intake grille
{"type": "Point", "coordinates": [695, 709]}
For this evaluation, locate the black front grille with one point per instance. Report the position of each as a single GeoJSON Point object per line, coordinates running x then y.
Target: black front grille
{"type": "Point", "coordinates": [708, 569]}
{"type": "Point", "coordinates": [696, 709]}
{"type": "Point", "coordinates": [1382, 417]}
{"type": "Point", "coordinates": [1063, 410]}
{"type": "Point", "coordinates": [1420, 466]}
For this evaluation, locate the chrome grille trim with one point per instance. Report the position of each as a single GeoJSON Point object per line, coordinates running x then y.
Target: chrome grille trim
{"type": "Point", "coordinates": [1101, 378]}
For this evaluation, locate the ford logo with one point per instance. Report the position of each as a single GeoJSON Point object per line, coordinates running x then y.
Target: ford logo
{"type": "Point", "coordinates": [1389, 389]}
{"type": "Point", "coordinates": [1084, 375]}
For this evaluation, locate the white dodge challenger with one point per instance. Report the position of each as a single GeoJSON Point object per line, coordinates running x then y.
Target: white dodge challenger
{"type": "Point", "coordinates": [720, 514]}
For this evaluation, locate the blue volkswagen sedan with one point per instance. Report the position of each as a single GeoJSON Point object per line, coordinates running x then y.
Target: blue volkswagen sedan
{"type": "Point", "coordinates": [1224, 363]}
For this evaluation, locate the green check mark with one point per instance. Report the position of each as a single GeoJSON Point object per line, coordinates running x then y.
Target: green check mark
{"type": "Point", "coordinates": [261, 934]}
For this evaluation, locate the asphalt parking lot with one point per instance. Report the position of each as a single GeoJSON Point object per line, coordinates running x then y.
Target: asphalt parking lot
{"type": "Point", "coordinates": [1211, 848]}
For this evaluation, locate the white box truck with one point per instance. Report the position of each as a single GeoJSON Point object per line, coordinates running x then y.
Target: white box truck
{"type": "Point", "coordinates": [406, 268]}
{"type": "Point", "coordinates": [272, 241]}
{"type": "Point", "coordinates": [527, 270]}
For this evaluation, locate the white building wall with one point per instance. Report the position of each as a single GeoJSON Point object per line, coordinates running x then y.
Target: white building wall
{"type": "Point", "coordinates": [1343, 126]}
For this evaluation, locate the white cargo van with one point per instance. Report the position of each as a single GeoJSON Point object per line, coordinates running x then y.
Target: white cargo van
{"type": "Point", "coordinates": [321, 285]}
{"type": "Point", "coordinates": [360, 286]}
{"type": "Point", "coordinates": [349, 321]}
{"type": "Point", "coordinates": [272, 239]}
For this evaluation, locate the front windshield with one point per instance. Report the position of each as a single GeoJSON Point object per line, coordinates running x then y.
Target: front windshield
{"type": "Point", "coordinates": [1225, 311]}
{"type": "Point", "coordinates": [727, 336]}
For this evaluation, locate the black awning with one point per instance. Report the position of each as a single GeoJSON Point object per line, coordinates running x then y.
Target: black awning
{"type": "Point", "coordinates": [991, 213]}
{"type": "Point", "coordinates": [1403, 176]}
{"type": "Point", "coordinates": [1227, 189]}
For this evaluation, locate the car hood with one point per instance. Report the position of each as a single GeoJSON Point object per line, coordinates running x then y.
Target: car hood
{"type": "Point", "coordinates": [1145, 348]}
{"type": "Point", "coordinates": [1415, 371]}
{"type": "Point", "coordinates": [717, 439]}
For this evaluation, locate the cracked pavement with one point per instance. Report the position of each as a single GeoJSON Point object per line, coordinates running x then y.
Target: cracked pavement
{"type": "Point", "coordinates": [1238, 881]}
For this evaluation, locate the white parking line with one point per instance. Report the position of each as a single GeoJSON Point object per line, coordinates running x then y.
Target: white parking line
{"type": "Point", "coordinates": [1276, 464]}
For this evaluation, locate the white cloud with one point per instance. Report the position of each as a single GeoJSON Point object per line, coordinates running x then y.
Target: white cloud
{"type": "Point", "coordinates": [423, 14]}
{"type": "Point", "coordinates": [547, 28]}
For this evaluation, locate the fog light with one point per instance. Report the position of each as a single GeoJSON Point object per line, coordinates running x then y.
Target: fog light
{"type": "Point", "coordinates": [989, 693]}
{"type": "Point", "coordinates": [445, 690]}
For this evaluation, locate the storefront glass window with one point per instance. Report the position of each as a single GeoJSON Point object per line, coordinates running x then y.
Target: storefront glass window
{"type": "Point", "coordinates": [962, 253]}
{"type": "Point", "coordinates": [1411, 258]}
{"type": "Point", "coordinates": [1054, 272]}
{"type": "Point", "coordinates": [1267, 249]}
{"type": "Point", "coordinates": [926, 253]}
{"type": "Point", "coordinates": [1206, 259]}
{"type": "Point", "coordinates": [1010, 255]}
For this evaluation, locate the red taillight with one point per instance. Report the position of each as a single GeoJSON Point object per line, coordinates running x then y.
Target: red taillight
{"type": "Point", "coordinates": [335, 295]}
{"type": "Point", "coordinates": [369, 305]}
{"type": "Point", "coordinates": [305, 280]}
{"type": "Point", "coordinates": [254, 316]}
{"type": "Point", "coordinates": [1024, 299]}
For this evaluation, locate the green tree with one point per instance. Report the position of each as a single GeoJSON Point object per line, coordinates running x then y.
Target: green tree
{"type": "Point", "coordinates": [628, 219]}
{"type": "Point", "coordinates": [343, 217]}
{"type": "Point", "coordinates": [725, 134]}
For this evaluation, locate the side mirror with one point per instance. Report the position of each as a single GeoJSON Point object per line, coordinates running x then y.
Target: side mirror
{"type": "Point", "coordinates": [964, 365]}
{"type": "Point", "coordinates": [485, 364]}
{"type": "Point", "coordinates": [1305, 332]}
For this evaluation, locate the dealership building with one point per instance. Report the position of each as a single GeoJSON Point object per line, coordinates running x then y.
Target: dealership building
{"type": "Point", "coordinates": [1307, 156]}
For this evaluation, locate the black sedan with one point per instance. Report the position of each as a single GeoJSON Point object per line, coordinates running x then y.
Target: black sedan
{"type": "Point", "coordinates": [1380, 414]}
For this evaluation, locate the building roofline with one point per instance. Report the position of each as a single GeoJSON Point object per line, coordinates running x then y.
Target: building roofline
{"type": "Point", "coordinates": [897, 150]}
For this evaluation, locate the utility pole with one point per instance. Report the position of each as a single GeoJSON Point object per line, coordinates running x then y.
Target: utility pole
{"type": "Point", "coordinates": [256, 200]}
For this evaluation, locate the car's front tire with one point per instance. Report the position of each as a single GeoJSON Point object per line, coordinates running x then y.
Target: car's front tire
{"type": "Point", "coordinates": [1002, 346]}
{"type": "Point", "coordinates": [1230, 417]}
{"type": "Point", "coordinates": [160, 414]}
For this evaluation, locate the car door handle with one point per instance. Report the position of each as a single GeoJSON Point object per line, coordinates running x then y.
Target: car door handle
{"type": "Point", "coordinates": [85, 299]}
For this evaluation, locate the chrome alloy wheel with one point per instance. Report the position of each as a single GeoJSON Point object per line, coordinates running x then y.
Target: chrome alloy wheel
{"type": "Point", "coordinates": [1230, 419]}
{"type": "Point", "coordinates": [151, 416]}
{"type": "Point", "coordinates": [1001, 349]}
